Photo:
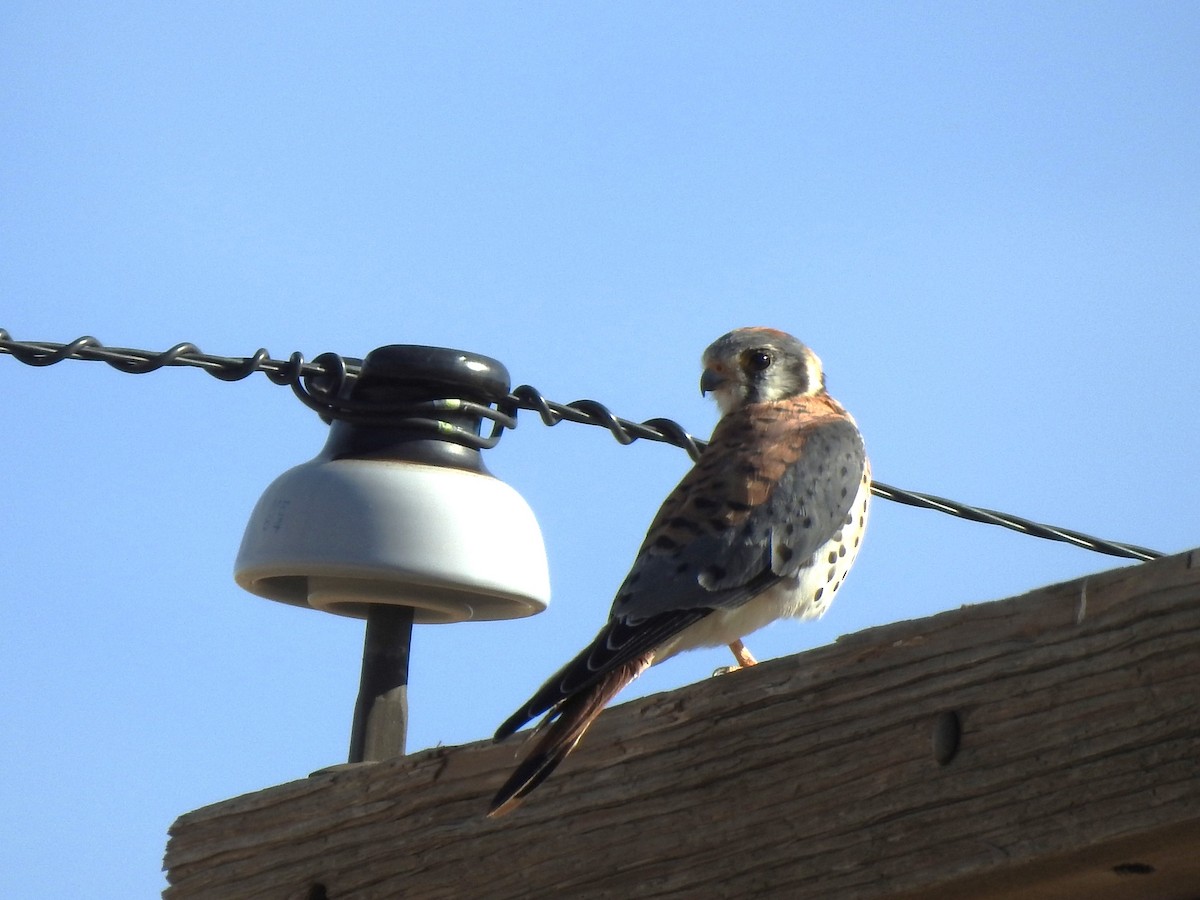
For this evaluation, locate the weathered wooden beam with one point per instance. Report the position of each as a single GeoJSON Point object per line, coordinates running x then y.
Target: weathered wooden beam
{"type": "Point", "coordinates": [833, 773]}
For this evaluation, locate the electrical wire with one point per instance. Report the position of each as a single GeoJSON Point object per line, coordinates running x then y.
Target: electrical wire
{"type": "Point", "coordinates": [323, 385]}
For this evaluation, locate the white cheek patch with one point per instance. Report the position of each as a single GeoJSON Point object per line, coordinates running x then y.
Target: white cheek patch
{"type": "Point", "coordinates": [726, 400]}
{"type": "Point", "coordinates": [814, 374]}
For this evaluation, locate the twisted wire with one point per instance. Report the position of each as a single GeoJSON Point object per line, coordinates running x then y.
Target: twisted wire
{"type": "Point", "coordinates": [323, 385]}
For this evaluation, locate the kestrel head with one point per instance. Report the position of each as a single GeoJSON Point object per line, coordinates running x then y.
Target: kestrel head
{"type": "Point", "coordinates": [754, 365]}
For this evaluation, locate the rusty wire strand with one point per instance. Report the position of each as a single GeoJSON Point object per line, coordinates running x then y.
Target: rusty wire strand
{"type": "Point", "coordinates": [320, 385]}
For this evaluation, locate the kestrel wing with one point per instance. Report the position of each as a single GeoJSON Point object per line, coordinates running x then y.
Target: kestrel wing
{"type": "Point", "coordinates": [758, 514]}
{"type": "Point", "coordinates": [759, 503]}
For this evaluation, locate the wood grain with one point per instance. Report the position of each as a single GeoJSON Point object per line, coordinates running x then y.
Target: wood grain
{"type": "Point", "coordinates": [1077, 769]}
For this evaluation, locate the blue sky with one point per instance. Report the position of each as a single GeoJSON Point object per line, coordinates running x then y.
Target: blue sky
{"type": "Point", "coordinates": [984, 218]}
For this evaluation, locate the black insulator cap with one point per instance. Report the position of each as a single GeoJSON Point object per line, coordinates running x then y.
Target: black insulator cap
{"type": "Point", "coordinates": [399, 375]}
{"type": "Point", "coordinates": [411, 372]}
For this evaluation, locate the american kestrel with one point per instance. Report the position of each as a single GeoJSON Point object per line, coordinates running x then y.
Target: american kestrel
{"type": "Point", "coordinates": [765, 526]}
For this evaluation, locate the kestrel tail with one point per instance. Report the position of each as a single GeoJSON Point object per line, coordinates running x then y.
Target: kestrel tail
{"type": "Point", "coordinates": [765, 526]}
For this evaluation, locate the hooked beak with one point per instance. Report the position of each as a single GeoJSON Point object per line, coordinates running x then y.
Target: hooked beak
{"type": "Point", "coordinates": [711, 380]}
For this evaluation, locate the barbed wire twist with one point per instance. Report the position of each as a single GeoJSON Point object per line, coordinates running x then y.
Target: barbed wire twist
{"type": "Point", "coordinates": [321, 384]}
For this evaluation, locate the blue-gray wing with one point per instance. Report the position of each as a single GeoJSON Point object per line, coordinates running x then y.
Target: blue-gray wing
{"type": "Point", "coordinates": [775, 484]}
{"type": "Point", "coordinates": [756, 514]}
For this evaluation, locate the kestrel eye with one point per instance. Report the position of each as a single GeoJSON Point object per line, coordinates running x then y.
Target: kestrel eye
{"type": "Point", "coordinates": [758, 360]}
